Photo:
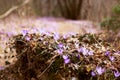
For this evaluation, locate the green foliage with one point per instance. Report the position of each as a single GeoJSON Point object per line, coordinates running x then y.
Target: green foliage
{"type": "Point", "coordinates": [113, 22]}
{"type": "Point", "coordinates": [116, 9]}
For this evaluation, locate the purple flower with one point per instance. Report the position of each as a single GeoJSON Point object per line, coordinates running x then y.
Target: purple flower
{"type": "Point", "coordinates": [2, 67]}
{"type": "Point", "coordinates": [60, 45]}
{"type": "Point", "coordinates": [66, 59]}
{"type": "Point", "coordinates": [111, 58]}
{"type": "Point", "coordinates": [72, 33]}
{"type": "Point", "coordinates": [64, 36]}
{"type": "Point", "coordinates": [107, 53]}
{"type": "Point", "coordinates": [118, 52]}
{"type": "Point", "coordinates": [41, 31]}
{"type": "Point", "coordinates": [93, 73]}
{"type": "Point", "coordinates": [90, 53]}
{"type": "Point", "coordinates": [9, 34]}
{"type": "Point", "coordinates": [24, 32]}
{"type": "Point", "coordinates": [60, 51]}
{"type": "Point", "coordinates": [78, 56]}
{"type": "Point", "coordinates": [116, 73]}
{"type": "Point", "coordinates": [100, 70]}
{"type": "Point", "coordinates": [48, 34]}
{"type": "Point", "coordinates": [27, 38]}
{"type": "Point", "coordinates": [56, 36]}
{"type": "Point", "coordinates": [83, 50]}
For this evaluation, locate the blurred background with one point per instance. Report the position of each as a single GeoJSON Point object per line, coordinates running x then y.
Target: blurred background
{"type": "Point", "coordinates": [94, 10]}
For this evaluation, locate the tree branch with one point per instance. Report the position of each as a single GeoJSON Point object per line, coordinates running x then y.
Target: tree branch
{"type": "Point", "coordinates": [8, 12]}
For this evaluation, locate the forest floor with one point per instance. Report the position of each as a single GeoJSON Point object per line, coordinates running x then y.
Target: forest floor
{"type": "Point", "coordinates": [15, 25]}
{"type": "Point", "coordinates": [25, 65]}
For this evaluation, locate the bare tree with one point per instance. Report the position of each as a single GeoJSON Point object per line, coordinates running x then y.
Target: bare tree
{"type": "Point", "coordinates": [70, 9]}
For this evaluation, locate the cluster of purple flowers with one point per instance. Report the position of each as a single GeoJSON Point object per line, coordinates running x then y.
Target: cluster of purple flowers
{"type": "Point", "coordinates": [85, 51]}
{"type": "Point", "coordinates": [112, 58]}
{"type": "Point", "coordinates": [98, 70]}
{"type": "Point", "coordinates": [60, 51]}
{"type": "Point", "coordinates": [80, 50]}
{"type": "Point", "coordinates": [24, 32]}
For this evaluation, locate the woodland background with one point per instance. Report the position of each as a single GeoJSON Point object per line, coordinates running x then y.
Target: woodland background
{"type": "Point", "coordinates": [94, 10]}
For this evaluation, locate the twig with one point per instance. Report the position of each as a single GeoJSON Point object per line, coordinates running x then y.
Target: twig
{"type": "Point", "coordinates": [45, 69]}
{"type": "Point", "coordinates": [8, 12]}
{"type": "Point", "coordinates": [51, 59]}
